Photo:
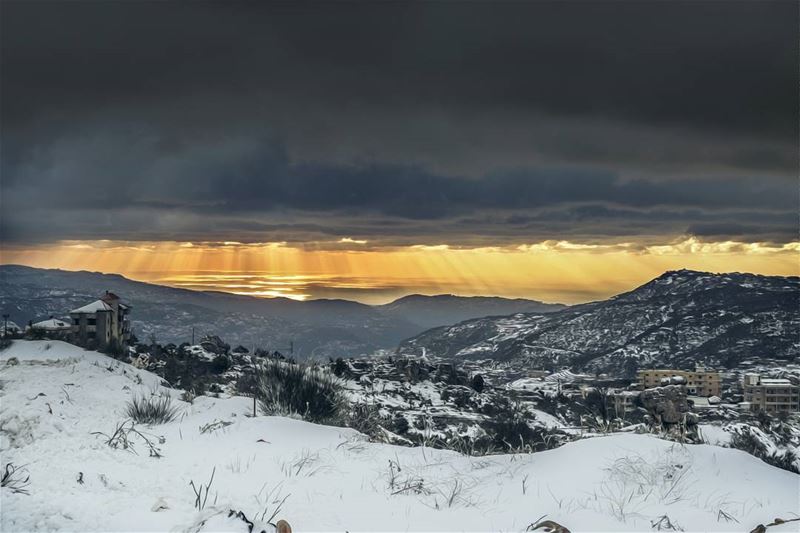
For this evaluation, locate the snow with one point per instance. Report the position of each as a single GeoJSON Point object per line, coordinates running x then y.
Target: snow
{"type": "Point", "coordinates": [775, 382]}
{"type": "Point", "coordinates": [332, 478]}
{"type": "Point", "coordinates": [94, 307]}
{"type": "Point", "coordinates": [533, 384]}
{"type": "Point", "coordinates": [51, 324]}
{"type": "Point", "coordinates": [565, 376]}
{"type": "Point", "coordinates": [715, 434]}
{"type": "Point", "coordinates": [199, 351]}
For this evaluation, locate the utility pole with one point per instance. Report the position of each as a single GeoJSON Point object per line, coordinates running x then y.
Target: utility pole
{"type": "Point", "coordinates": [5, 324]}
{"type": "Point", "coordinates": [290, 348]}
{"type": "Point", "coordinates": [192, 335]}
{"type": "Point", "coordinates": [255, 381]}
{"type": "Point", "coordinates": [254, 359]}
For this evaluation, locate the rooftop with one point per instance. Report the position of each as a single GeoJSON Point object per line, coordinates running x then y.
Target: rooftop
{"type": "Point", "coordinates": [775, 382]}
{"type": "Point", "coordinates": [51, 323]}
{"type": "Point", "coordinates": [94, 307]}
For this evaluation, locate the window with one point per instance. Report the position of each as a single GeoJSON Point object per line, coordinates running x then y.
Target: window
{"type": "Point", "coordinates": [91, 321]}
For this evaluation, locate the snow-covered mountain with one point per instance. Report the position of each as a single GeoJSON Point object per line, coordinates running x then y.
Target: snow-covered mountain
{"type": "Point", "coordinates": [61, 406]}
{"type": "Point", "coordinates": [678, 319]}
{"type": "Point", "coordinates": [444, 309]}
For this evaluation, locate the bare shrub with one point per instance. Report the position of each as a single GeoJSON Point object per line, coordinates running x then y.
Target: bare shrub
{"type": "Point", "coordinates": [272, 501]}
{"type": "Point", "coordinates": [302, 465]}
{"type": "Point", "coordinates": [365, 418]}
{"type": "Point", "coordinates": [188, 396]}
{"type": "Point", "coordinates": [404, 484]}
{"type": "Point", "coordinates": [122, 438]}
{"type": "Point", "coordinates": [152, 409]}
{"type": "Point", "coordinates": [634, 481]}
{"type": "Point", "coordinates": [201, 493]}
{"type": "Point", "coordinates": [213, 426]}
{"type": "Point", "coordinates": [452, 494]}
{"type": "Point", "coordinates": [238, 466]}
{"type": "Point", "coordinates": [15, 479]}
{"type": "Point", "coordinates": [288, 389]}
{"type": "Point", "coordinates": [664, 524]}
{"type": "Point", "coordinates": [746, 440]}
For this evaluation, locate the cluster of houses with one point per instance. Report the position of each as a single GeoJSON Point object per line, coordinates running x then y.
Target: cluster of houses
{"type": "Point", "coordinates": [771, 395]}
{"type": "Point", "coordinates": [702, 388]}
{"type": "Point", "coordinates": [102, 324]}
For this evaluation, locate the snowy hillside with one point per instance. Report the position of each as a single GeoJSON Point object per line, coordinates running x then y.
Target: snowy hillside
{"type": "Point", "coordinates": [55, 396]}
{"type": "Point", "coordinates": [444, 309]}
{"type": "Point", "coordinates": [678, 319]}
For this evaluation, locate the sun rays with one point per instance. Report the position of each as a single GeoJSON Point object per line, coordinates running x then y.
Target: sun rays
{"type": "Point", "coordinates": [551, 270]}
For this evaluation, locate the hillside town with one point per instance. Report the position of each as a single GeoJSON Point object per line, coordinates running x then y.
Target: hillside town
{"type": "Point", "coordinates": [105, 325]}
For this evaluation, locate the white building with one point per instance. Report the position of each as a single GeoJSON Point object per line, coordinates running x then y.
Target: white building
{"type": "Point", "coordinates": [771, 395]}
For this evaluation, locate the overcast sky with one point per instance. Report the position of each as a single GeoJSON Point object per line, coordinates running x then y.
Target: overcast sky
{"type": "Point", "coordinates": [442, 123]}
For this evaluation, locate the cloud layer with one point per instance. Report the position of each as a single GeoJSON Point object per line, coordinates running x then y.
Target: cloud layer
{"type": "Point", "coordinates": [466, 124]}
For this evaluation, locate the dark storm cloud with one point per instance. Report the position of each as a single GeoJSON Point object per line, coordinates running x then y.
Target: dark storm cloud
{"type": "Point", "coordinates": [398, 122]}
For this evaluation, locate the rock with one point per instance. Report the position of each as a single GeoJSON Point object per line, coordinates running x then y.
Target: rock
{"type": "Point", "coordinates": [447, 373]}
{"type": "Point", "coordinates": [412, 370]}
{"type": "Point", "coordinates": [215, 345]}
{"type": "Point", "coordinates": [459, 395]}
{"type": "Point", "coordinates": [666, 404]}
{"type": "Point", "coordinates": [142, 361]}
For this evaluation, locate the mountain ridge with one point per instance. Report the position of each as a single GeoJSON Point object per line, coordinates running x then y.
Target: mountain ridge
{"type": "Point", "coordinates": [317, 328]}
{"type": "Point", "coordinates": [679, 318]}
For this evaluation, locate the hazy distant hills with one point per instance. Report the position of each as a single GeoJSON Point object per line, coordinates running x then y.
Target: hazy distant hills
{"type": "Point", "coordinates": [444, 309]}
{"type": "Point", "coordinates": [677, 319]}
{"type": "Point", "coordinates": [318, 328]}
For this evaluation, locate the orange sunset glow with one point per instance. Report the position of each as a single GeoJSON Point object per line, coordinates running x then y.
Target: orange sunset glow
{"type": "Point", "coordinates": [553, 271]}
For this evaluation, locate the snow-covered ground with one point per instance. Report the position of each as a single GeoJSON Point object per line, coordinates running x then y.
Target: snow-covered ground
{"type": "Point", "coordinates": [331, 479]}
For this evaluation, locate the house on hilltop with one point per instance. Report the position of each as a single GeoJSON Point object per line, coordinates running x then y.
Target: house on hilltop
{"type": "Point", "coordinates": [103, 323]}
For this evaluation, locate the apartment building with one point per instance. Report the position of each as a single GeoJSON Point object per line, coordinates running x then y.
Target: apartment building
{"type": "Point", "coordinates": [770, 395]}
{"type": "Point", "coordinates": [700, 382]}
{"type": "Point", "coordinates": [103, 323]}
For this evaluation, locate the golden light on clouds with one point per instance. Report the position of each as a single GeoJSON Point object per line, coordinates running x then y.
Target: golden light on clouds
{"type": "Point", "coordinates": [554, 271]}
